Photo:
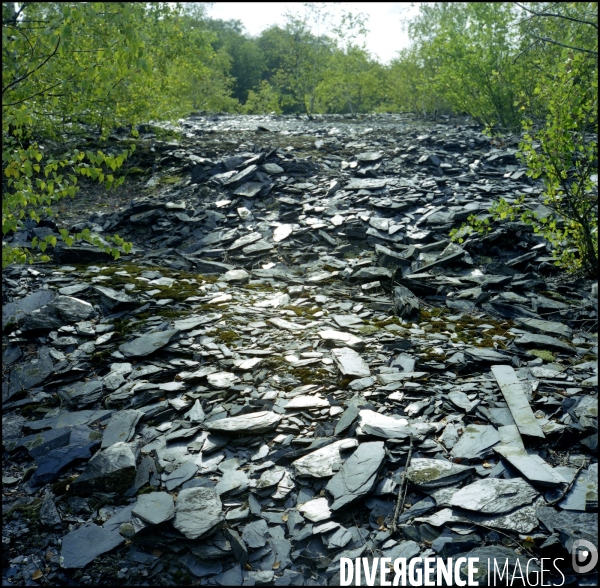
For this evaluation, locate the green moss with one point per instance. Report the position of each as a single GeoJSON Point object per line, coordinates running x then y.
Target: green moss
{"type": "Point", "coordinates": [543, 354]}
{"type": "Point", "coordinates": [170, 180]}
{"type": "Point", "coordinates": [368, 330]}
{"type": "Point", "coordinates": [466, 328]}
{"type": "Point", "coordinates": [312, 376]}
{"type": "Point", "coordinates": [259, 287]}
{"type": "Point", "coordinates": [227, 337]}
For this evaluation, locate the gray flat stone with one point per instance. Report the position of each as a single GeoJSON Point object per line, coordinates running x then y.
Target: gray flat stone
{"type": "Point", "coordinates": [222, 380]}
{"type": "Point", "coordinates": [357, 475]}
{"type": "Point", "coordinates": [255, 422]}
{"type": "Point", "coordinates": [121, 427]}
{"type": "Point", "coordinates": [198, 512]}
{"type": "Point", "coordinates": [111, 470]}
{"type": "Point", "coordinates": [342, 339]}
{"type": "Point", "coordinates": [517, 401]}
{"type": "Point", "coordinates": [85, 544]}
{"type": "Point", "coordinates": [324, 462]}
{"type": "Point", "coordinates": [147, 344]}
{"type": "Point", "coordinates": [255, 534]}
{"type": "Point", "coordinates": [181, 475]}
{"type": "Point", "coordinates": [434, 473]}
{"type": "Point", "coordinates": [350, 363]}
{"type": "Point", "coordinates": [366, 184]}
{"type": "Point", "coordinates": [282, 232]}
{"type": "Point", "coordinates": [494, 495]}
{"type": "Point", "coordinates": [155, 508]}
{"type": "Point", "coordinates": [545, 327]}
{"type": "Point", "coordinates": [80, 394]}
{"type": "Point", "coordinates": [316, 510]}
{"type": "Point", "coordinates": [544, 342]}
{"type": "Point", "coordinates": [476, 442]}
{"type": "Point", "coordinates": [115, 300]}
{"type": "Point", "coordinates": [532, 466]}
{"type": "Point", "coordinates": [389, 427]}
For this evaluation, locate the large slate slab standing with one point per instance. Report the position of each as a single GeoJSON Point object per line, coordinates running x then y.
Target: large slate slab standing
{"type": "Point", "coordinates": [357, 475]}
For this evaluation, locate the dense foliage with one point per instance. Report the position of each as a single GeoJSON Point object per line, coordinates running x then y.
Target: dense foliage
{"type": "Point", "coordinates": [71, 69]}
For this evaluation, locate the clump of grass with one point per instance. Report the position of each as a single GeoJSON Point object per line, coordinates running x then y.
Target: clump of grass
{"type": "Point", "coordinates": [543, 354]}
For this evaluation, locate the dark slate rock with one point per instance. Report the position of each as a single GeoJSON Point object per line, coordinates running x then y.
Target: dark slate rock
{"type": "Point", "coordinates": [13, 312]}
{"type": "Point", "coordinates": [570, 526]}
{"type": "Point", "coordinates": [55, 462]}
{"type": "Point", "coordinates": [198, 512]}
{"type": "Point", "coordinates": [147, 344]}
{"type": "Point", "coordinates": [255, 534]}
{"type": "Point", "coordinates": [25, 376]}
{"type": "Point", "coordinates": [476, 442]}
{"type": "Point", "coordinates": [434, 473]}
{"type": "Point", "coordinates": [49, 515]}
{"type": "Point", "coordinates": [40, 443]}
{"type": "Point", "coordinates": [423, 506]}
{"type": "Point", "coordinates": [121, 427]}
{"type": "Point", "coordinates": [406, 304]}
{"type": "Point", "coordinates": [115, 300]}
{"type": "Point", "coordinates": [180, 475]}
{"type": "Point", "coordinates": [449, 546]}
{"type": "Point", "coordinates": [357, 475]}
{"type": "Point", "coordinates": [85, 544]}
{"type": "Point", "coordinates": [239, 548]}
{"type": "Point", "coordinates": [111, 470]}
{"type": "Point", "coordinates": [155, 508]}
{"type": "Point", "coordinates": [82, 394]}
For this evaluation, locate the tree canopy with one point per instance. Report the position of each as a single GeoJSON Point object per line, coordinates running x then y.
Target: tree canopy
{"type": "Point", "coordinates": [74, 68]}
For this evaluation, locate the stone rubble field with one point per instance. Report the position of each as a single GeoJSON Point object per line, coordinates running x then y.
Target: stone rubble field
{"type": "Point", "coordinates": [295, 364]}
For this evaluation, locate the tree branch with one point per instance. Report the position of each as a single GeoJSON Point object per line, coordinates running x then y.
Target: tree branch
{"type": "Point", "coordinates": [556, 15]}
{"type": "Point", "coordinates": [553, 42]}
{"type": "Point", "coordinates": [29, 73]}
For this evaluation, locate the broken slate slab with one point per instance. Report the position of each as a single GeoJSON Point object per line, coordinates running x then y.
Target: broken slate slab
{"type": "Point", "coordinates": [476, 442]}
{"type": "Point", "coordinates": [531, 465]}
{"type": "Point", "coordinates": [517, 401]}
{"type": "Point", "coordinates": [85, 544]}
{"type": "Point", "coordinates": [494, 495]}
{"type": "Point", "coordinates": [121, 427]}
{"type": "Point", "coordinates": [255, 422]}
{"type": "Point", "coordinates": [110, 470]}
{"type": "Point", "coordinates": [324, 462]}
{"type": "Point", "coordinates": [147, 344]}
{"type": "Point", "coordinates": [316, 510]}
{"type": "Point", "coordinates": [350, 363]}
{"type": "Point", "coordinates": [198, 513]}
{"type": "Point", "coordinates": [357, 475]}
{"type": "Point", "coordinates": [115, 300]}
{"type": "Point", "coordinates": [342, 339]}
{"type": "Point", "coordinates": [544, 342]}
{"type": "Point", "coordinates": [155, 508]}
{"type": "Point", "coordinates": [389, 427]}
{"type": "Point", "coordinates": [435, 473]}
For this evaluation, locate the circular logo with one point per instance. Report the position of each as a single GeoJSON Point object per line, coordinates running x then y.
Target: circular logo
{"type": "Point", "coordinates": [585, 556]}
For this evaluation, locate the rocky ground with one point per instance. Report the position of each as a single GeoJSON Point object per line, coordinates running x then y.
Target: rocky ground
{"type": "Point", "coordinates": [296, 365]}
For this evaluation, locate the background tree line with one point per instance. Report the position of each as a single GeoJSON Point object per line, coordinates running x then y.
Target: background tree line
{"type": "Point", "coordinates": [72, 68]}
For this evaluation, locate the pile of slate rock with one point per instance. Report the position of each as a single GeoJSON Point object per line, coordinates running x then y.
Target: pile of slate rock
{"type": "Point", "coordinates": [235, 402]}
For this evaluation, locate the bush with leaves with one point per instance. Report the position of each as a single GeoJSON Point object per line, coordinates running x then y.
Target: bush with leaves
{"type": "Point", "coordinates": [563, 153]}
{"type": "Point", "coordinates": [72, 68]}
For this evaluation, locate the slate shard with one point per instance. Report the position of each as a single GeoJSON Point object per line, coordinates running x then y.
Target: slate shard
{"type": "Point", "coordinates": [198, 512]}
{"type": "Point", "coordinates": [357, 475]}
